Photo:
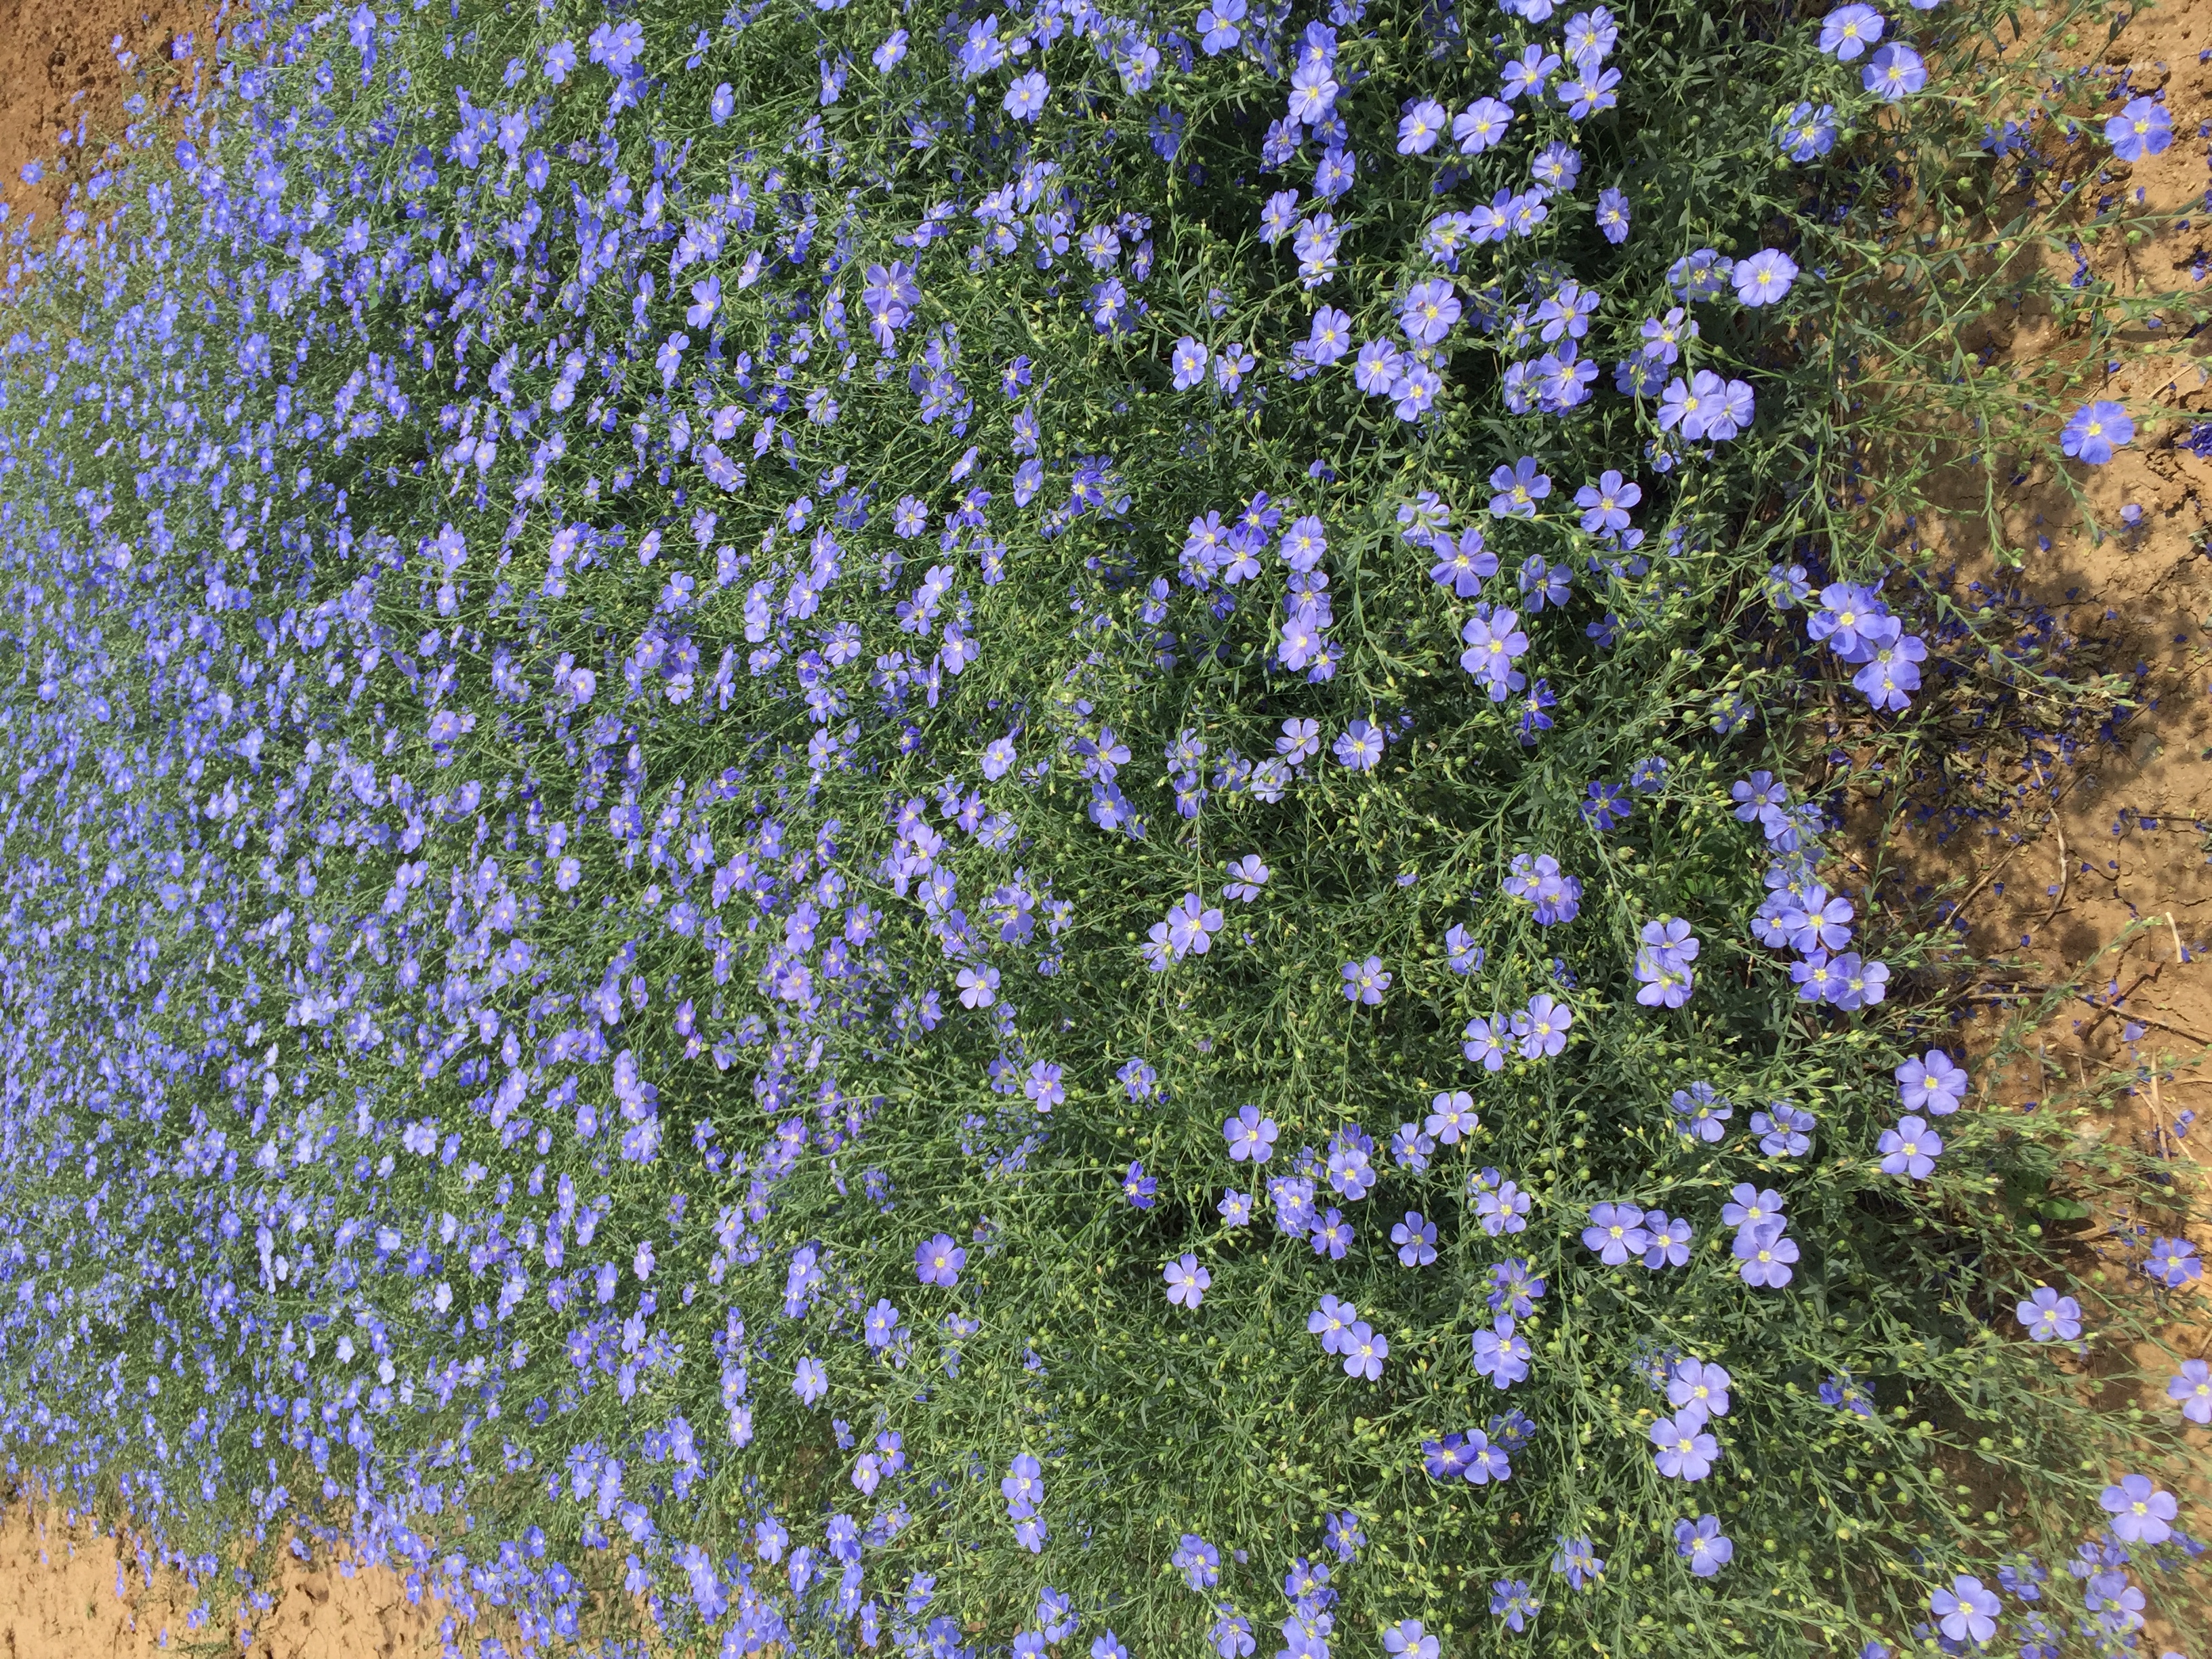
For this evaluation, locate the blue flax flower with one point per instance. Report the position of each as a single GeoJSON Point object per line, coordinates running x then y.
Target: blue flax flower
{"type": "Point", "coordinates": [1366, 982]}
{"type": "Point", "coordinates": [2139, 129]}
{"type": "Point", "coordinates": [2095, 430]}
{"type": "Point", "coordinates": [1703, 1545]}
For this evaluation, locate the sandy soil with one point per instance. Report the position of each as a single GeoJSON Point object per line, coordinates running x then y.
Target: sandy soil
{"type": "Point", "coordinates": [2088, 866]}
{"type": "Point", "coordinates": [69, 1591]}
{"type": "Point", "coordinates": [2100, 864]}
{"type": "Point", "coordinates": [71, 1587]}
{"type": "Point", "coordinates": [2075, 870]}
{"type": "Point", "coordinates": [58, 75]}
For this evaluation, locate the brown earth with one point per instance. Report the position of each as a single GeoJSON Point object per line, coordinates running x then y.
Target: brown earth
{"type": "Point", "coordinates": [69, 1591]}
{"type": "Point", "coordinates": [2096, 876]}
{"type": "Point", "coordinates": [2080, 885]}
{"type": "Point", "coordinates": [60, 81]}
{"type": "Point", "coordinates": [2068, 850]}
{"type": "Point", "coordinates": [71, 1587]}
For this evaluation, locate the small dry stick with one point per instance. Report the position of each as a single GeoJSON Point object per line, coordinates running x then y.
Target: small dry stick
{"type": "Point", "coordinates": [2146, 1019]}
{"type": "Point", "coordinates": [1960, 907]}
{"type": "Point", "coordinates": [2059, 904]}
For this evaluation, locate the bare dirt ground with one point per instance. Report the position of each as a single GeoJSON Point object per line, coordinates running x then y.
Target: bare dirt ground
{"type": "Point", "coordinates": [2074, 869]}
{"type": "Point", "coordinates": [69, 1590]}
{"type": "Point", "coordinates": [2095, 874]}
{"type": "Point", "coordinates": [73, 1589]}
{"type": "Point", "coordinates": [2084, 875]}
{"type": "Point", "coordinates": [58, 68]}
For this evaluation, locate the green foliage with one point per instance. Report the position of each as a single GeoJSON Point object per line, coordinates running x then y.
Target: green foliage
{"type": "Point", "coordinates": [387, 829]}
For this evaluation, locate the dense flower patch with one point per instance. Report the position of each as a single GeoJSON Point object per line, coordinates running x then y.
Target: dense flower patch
{"type": "Point", "coordinates": [972, 827]}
